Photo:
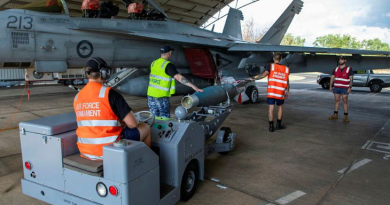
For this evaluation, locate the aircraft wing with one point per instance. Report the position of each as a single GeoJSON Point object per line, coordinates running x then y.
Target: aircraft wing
{"type": "Point", "coordinates": [182, 38]}
{"type": "Point", "coordinates": [301, 49]}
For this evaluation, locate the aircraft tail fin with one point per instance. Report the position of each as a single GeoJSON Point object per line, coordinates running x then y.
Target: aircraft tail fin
{"type": "Point", "coordinates": [233, 23]}
{"type": "Point", "coordinates": [276, 33]}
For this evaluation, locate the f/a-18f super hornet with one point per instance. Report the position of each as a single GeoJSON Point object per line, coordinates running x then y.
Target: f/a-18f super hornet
{"type": "Point", "coordinates": [51, 43]}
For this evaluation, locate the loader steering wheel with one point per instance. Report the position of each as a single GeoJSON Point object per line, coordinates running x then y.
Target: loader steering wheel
{"type": "Point", "coordinates": [145, 117]}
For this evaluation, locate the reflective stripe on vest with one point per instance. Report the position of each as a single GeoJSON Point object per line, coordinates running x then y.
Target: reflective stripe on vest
{"type": "Point", "coordinates": [277, 81]}
{"type": "Point", "coordinates": [97, 123]}
{"type": "Point", "coordinates": [102, 92]}
{"type": "Point", "coordinates": [160, 84]}
{"type": "Point", "coordinates": [93, 157]}
{"type": "Point", "coordinates": [102, 140]}
{"type": "Point", "coordinates": [159, 77]}
{"type": "Point", "coordinates": [159, 87]}
{"type": "Point", "coordinates": [277, 88]}
{"type": "Point", "coordinates": [341, 79]}
{"type": "Point", "coordinates": [341, 85]}
{"type": "Point", "coordinates": [275, 95]}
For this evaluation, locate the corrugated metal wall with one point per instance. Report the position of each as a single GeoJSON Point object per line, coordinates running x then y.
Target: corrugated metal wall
{"type": "Point", "coordinates": [11, 74]}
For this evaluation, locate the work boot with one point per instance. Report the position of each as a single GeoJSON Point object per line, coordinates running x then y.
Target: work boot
{"type": "Point", "coordinates": [346, 117]}
{"type": "Point", "coordinates": [335, 116]}
{"type": "Point", "coordinates": [279, 125]}
{"type": "Point", "coordinates": [271, 126]}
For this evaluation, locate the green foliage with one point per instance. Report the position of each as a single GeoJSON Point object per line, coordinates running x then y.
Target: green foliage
{"type": "Point", "coordinates": [290, 40]}
{"type": "Point", "coordinates": [375, 44]}
{"type": "Point", "coordinates": [347, 41]}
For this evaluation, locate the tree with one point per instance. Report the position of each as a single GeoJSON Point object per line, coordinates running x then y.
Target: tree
{"type": "Point", "coordinates": [375, 44]}
{"type": "Point", "coordinates": [347, 41]}
{"type": "Point", "coordinates": [251, 31]}
{"type": "Point", "coordinates": [290, 40]}
{"type": "Point", "coordinates": [337, 41]}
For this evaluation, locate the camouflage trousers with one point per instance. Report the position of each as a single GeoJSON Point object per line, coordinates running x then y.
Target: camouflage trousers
{"type": "Point", "coordinates": [160, 107]}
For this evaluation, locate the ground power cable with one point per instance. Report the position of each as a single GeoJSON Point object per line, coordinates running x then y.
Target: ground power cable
{"type": "Point", "coordinates": [16, 111]}
{"type": "Point", "coordinates": [349, 167]}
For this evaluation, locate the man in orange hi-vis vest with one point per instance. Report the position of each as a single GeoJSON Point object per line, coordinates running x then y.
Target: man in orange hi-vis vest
{"type": "Point", "coordinates": [98, 109]}
{"type": "Point", "coordinates": [277, 90]}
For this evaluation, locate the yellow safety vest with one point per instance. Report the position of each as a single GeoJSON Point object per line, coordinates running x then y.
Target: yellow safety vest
{"type": "Point", "coordinates": [160, 84]}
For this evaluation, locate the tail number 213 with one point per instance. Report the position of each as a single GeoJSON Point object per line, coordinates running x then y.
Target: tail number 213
{"type": "Point", "coordinates": [20, 23]}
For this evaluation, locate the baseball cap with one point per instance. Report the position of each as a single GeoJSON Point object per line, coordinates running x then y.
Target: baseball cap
{"type": "Point", "coordinates": [343, 57]}
{"type": "Point", "coordinates": [96, 64]}
{"type": "Point", "coordinates": [166, 49]}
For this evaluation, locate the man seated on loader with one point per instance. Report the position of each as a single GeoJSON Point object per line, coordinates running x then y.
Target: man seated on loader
{"type": "Point", "coordinates": [98, 109]}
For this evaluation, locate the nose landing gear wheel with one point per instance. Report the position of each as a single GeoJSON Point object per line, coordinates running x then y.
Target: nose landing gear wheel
{"type": "Point", "coordinates": [253, 94]}
{"type": "Point", "coordinates": [189, 181]}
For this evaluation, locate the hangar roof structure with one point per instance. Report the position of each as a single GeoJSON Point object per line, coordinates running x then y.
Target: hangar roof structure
{"type": "Point", "coordinates": [193, 12]}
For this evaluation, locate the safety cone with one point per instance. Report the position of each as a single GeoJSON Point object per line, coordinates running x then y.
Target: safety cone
{"type": "Point", "coordinates": [240, 99]}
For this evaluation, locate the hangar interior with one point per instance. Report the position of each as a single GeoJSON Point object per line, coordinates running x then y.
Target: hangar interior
{"type": "Point", "coordinates": [314, 161]}
{"type": "Point", "coordinates": [186, 11]}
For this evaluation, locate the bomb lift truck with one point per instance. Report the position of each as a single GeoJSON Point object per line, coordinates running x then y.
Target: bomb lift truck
{"type": "Point", "coordinates": [131, 173]}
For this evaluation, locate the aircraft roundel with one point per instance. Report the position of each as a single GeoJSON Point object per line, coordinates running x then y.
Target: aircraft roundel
{"type": "Point", "coordinates": [84, 49]}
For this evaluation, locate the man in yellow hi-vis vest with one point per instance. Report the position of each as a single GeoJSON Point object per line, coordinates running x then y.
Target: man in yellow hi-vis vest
{"type": "Point", "coordinates": [162, 83]}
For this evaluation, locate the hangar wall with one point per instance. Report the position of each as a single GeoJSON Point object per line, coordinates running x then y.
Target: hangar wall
{"type": "Point", "coordinates": [11, 74]}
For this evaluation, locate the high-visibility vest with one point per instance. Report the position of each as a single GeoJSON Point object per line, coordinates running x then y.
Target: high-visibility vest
{"type": "Point", "coordinates": [97, 123]}
{"type": "Point", "coordinates": [160, 84]}
{"type": "Point", "coordinates": [341, 78]}
{"type": "Point", "coordinates": [277, 81]}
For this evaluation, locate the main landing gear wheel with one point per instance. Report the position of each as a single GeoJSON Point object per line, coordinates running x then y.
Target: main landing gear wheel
{"type": "Point", "coordinates": [253, 94]}
{"type": "Point", "coordinates": [145, 117]}
{"type": "Point", "coordinates": [189, 181]}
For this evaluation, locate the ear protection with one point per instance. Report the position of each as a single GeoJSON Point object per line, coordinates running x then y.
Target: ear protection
{"type": "Point", "coordinates": [104, 69]}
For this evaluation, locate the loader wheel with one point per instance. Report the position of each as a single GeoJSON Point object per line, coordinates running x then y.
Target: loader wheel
{"type": "Point", "coordinates": [225, 137]}
{"type": "Point", "coordinates": [189, 181]}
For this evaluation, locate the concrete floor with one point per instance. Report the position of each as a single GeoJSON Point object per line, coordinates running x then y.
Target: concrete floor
{"type": "Point", "coordinates": [298, 165]}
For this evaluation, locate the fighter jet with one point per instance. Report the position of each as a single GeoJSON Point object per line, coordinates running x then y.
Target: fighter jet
{"type": "Point", "coordinates": [54, 42]}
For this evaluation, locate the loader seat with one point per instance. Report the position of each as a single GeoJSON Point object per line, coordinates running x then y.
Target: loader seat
{"type": "Point", "coordinates": [77, 163]}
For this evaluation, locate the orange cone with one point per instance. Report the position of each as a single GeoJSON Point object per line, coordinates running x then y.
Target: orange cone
{"type": "Point", "coordinates": [240, 99]}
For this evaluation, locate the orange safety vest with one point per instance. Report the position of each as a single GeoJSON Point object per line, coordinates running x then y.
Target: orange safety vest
{"type": "Point", "coordinates": [277, 81]}
{"type": "Point", "coordinates": [97, 123]}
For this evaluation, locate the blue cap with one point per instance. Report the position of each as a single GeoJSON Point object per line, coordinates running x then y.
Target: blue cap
{"type": "Point", "coordinates": [166, 49]}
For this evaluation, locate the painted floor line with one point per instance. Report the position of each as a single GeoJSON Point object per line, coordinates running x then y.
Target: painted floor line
{"type": "Point", "coordinates": [366, 145]}
{"type": "Point", "coordinates": [214, 179]}
{"type": "Point", "coordinates": [356, 165]}
{"type": "Point", "coordinates": [384, 147]}
{"type": "Point", "coordinates": [222, 187]}
{"type": "Point", "coordinates": [289, 198]}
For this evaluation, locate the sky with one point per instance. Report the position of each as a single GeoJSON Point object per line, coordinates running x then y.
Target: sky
{"type": "Point", "coordinates": [362, 19]}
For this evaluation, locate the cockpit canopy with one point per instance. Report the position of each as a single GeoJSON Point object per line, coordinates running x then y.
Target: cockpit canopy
{"type": "Point", "coordinates": [50, 6]}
